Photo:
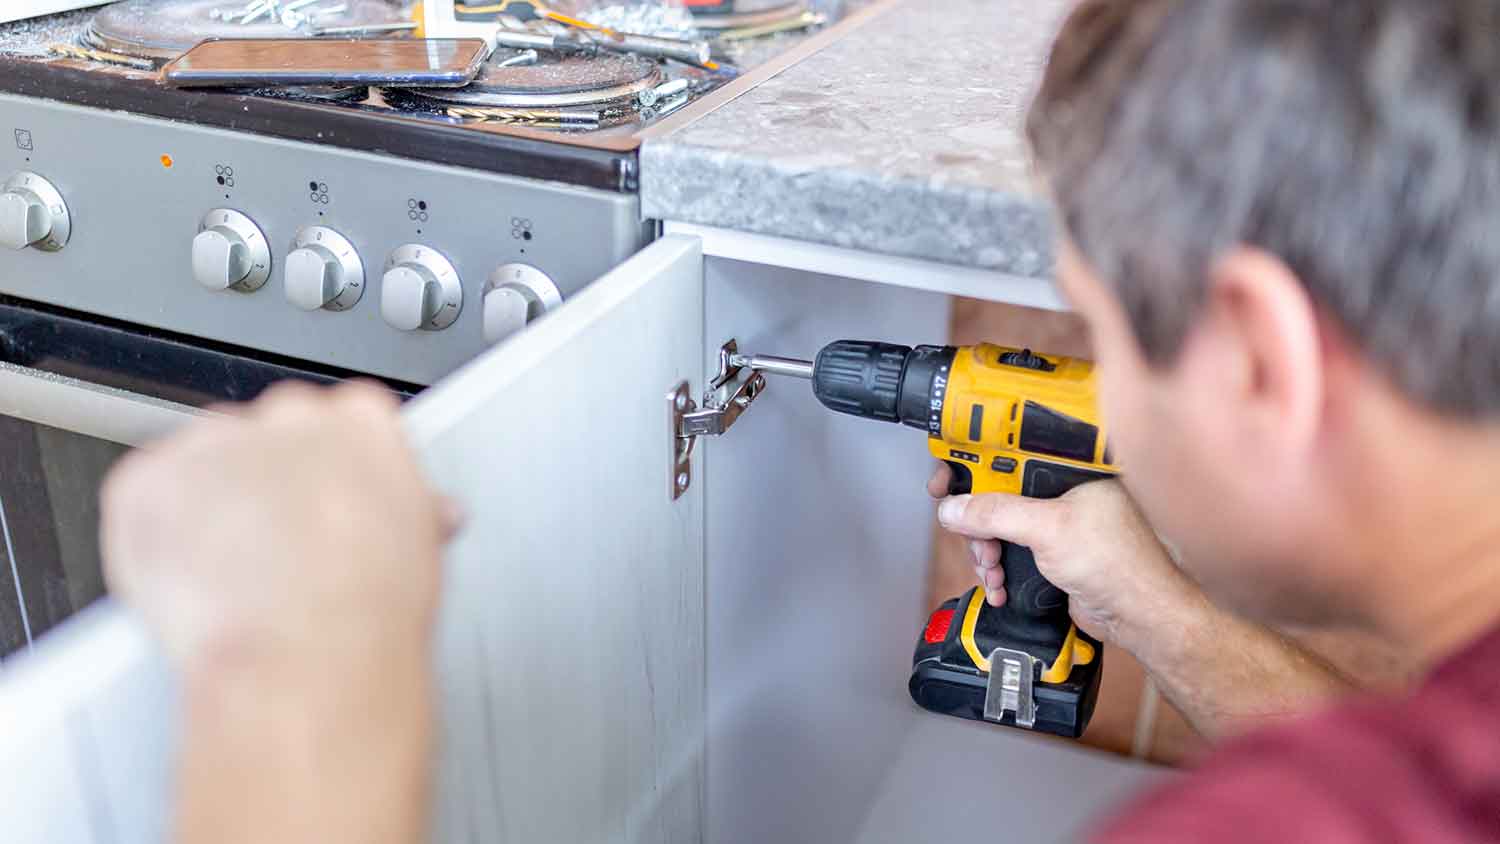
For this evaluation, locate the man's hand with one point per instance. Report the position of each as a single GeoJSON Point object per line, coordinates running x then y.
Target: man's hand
{"type": "Point", "coordinates": [1224, 673]}
{"type": "Point", "coordinates": [300, 528]}
{"type": "Point", "coordinates": [288, 558]}
{"type": "Point", "coordinates": [1091, 543]}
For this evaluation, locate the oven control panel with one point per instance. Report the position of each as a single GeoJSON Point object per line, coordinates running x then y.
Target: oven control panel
{"type": "Point", "coordinates": [369, 263]}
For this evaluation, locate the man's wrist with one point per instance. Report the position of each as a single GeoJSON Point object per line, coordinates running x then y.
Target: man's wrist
{"type": "Point", "coordinates": [321, 754]}
{"type": "Point", "coordinates": [1168, 623]}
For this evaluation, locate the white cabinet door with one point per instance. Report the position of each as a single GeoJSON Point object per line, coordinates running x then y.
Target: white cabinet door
{"type": "Point", "coordinates": [571, 651]}
{"type": "Point", "coordinates": [572, 636]}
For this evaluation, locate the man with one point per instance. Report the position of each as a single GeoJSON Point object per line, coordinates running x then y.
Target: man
{"type": "Point", "coordinates": [1279, 220]}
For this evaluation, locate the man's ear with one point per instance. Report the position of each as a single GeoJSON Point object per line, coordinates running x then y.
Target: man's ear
{"type": "Point", "coordinates": [1270, 334]}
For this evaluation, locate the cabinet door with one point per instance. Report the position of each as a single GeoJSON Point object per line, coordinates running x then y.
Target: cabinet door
{"type": "Point", "coordinates": [572, 637]}
{"type": "Point", "coordinates": [570, 654]}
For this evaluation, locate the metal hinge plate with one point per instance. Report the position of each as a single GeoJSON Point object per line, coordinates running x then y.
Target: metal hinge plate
{"type": "Point", "coordinates": [729, 394]}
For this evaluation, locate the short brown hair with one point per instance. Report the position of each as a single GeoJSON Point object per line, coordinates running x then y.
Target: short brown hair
{"type": "Point", "coordinates": [1358, 140]}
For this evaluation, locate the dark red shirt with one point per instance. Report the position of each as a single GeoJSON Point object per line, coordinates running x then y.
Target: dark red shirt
{"type": "Point", "coordinates": [1421, 768]}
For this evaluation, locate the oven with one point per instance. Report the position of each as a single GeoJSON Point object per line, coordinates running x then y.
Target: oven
{"type": "Point", "coordinates": [76, 394]}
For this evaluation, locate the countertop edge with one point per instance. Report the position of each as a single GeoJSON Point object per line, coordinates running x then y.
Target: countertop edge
{"type": "Point", "coordinates": [928, 219]}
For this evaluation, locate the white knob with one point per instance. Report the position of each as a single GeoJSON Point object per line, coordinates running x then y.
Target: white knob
{"type": "Point", "coordinates": [323, 271]}
{"type": "Point", "coordinates": [220, 259]}
{"type": "Point", "coordinates": [24, 220]}
{"type": "Point", "coordinates": [230, 252]}
{"type": "Point", "coordinates": [33, 214]}
{"type": "Point", "coordinates": [409, 297]}
{"type": "Point", "coordinates": [420, 290]}
{"type": "Point", "coordinates": [515, 295]}
{"type": "Point", "coordinates": [506, 311]}
{"type": "Point", "coordinates": [313, 278]}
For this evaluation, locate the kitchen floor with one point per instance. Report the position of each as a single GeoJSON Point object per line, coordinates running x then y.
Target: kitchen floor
{"type": "Point", "coordinates": [1130, 717]}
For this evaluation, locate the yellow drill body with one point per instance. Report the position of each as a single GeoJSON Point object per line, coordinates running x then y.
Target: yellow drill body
{"type": "Point", "coordinates": [987, 406]}
{"type": "Point", "coordinates": [1007, 421]}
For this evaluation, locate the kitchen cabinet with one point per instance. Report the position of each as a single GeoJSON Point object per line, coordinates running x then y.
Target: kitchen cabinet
{"type": "Point", "coordinates": [620, 662]}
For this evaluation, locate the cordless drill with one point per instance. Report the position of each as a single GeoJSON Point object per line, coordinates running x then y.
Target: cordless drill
{"type": "Point", "coordinates": [1004, 420]}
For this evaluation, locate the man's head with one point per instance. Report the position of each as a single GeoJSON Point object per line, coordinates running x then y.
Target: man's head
{"type": "Point", "coordinates": [1282, 223]}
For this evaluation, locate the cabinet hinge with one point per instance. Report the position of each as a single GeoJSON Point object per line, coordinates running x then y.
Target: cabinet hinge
{"type": "Point", "coordinates": [728, 395]}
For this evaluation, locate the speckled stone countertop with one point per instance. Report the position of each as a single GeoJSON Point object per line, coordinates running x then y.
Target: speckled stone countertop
{"type": "Point", "coordinates": [904, 137]}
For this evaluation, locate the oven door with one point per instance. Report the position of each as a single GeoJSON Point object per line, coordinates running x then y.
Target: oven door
{"type": "Point", "coordinates": [75, 396]}
{"type": "Point", "coordinates": [58, 438]}
{"type": "Point", "coordinates": [570, 650]}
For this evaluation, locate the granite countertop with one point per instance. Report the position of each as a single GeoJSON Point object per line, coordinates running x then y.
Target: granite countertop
{"type": "Point", "coordinates": [903, 137]}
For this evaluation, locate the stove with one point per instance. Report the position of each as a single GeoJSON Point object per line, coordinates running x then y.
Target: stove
{"type": "Point", "coordinates": [393, 233]}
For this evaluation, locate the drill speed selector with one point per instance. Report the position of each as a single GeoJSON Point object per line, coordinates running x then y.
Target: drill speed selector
{"type": "Point", "coordinates": [1026, 359]}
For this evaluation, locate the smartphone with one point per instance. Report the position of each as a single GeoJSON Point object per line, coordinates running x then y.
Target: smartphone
{"type": "Point", "coordinates": [387, 62]}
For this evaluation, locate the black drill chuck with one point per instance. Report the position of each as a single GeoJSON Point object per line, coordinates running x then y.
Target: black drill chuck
{"type": "Point", "coordinates": [884, 381]}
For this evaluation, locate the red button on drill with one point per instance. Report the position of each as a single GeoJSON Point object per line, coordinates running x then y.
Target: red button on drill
{"type": "Point", "coordinates": [937, 627]}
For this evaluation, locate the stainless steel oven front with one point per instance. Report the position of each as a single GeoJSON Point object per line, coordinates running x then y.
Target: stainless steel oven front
{"type": "Point", "coordinates": [76, 394]}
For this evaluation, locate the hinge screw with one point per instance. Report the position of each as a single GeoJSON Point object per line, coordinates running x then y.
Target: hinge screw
{"type": "Point", "coordinates": [681, 401]}
{"type": "Point", "coordinates": [682, 481]}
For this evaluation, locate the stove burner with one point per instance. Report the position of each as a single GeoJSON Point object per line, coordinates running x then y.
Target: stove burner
{"type": "Point", "coordinates": [753, 13]}
{"type": "Point", "coordinates": [556, 83]}
{"type": "Point", "coordinates": [161, 31]}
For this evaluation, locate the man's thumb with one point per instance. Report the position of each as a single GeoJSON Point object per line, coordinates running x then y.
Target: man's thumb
{"type": "Point", "coordinates": [1025, 521]}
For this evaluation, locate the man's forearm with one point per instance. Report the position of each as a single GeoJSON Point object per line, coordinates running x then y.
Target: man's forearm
{"type": "Point", "coordinates": [1228, 675]}
{"type": "Point", "coordinates": [306, 758]}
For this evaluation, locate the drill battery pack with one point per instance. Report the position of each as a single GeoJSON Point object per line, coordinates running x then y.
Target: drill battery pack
{"type": "Point", "coordinates": [946, 679]}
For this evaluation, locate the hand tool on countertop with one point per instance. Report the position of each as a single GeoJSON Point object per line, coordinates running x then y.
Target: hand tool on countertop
{"type": "Point", "coordinates": [695, 53]}
{"type": "Point", "coordinates": [363, 30]}
{"type": "Point", "coordinates": [1005, 420]}
{"type": "Point", "coordinates": [441, 17]}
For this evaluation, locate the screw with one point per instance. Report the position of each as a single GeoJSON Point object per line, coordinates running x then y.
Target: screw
{"type": "Point", "coordinates": [681, 401]}
{"type": "Point", "coordinates": [682, 480]}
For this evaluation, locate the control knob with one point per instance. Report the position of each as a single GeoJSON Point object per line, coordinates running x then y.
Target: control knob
{"type": "Point", "coordinates": [323, 271]}
{"type": "Point", "coordinates": [230, 252]}
{"type": "Point", "coordinates": [420, 290]}
{"type": "Point", "coordinates": [33, 214]}
{"type": "Point", "coordinates": [514, 295]}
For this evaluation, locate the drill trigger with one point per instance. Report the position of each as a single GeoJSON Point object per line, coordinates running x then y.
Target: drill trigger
{"type": "Point", "coordinates": [962, 480]}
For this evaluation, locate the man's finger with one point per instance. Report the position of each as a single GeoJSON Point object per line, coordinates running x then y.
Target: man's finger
{"type": "Point", "coordinates": [986, 552]}
{"type": "Point", "coordinates": [368, 397]}
{"type": "Point", "coordinates": [1026, 521]}
{"type": "Point", "coordinates": [991, 578]}
{"type": "Point", "coordinates": [938, 485]}
{"type": "Point", "coordinates": [289, 392]}
{"type": "Point", "coordinates": [453, 515]}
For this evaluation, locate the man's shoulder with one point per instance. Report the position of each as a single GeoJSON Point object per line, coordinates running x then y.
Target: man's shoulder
{"type": "Point", "coordinates": [1423, 767]}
